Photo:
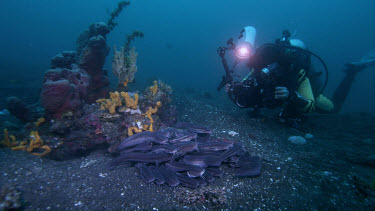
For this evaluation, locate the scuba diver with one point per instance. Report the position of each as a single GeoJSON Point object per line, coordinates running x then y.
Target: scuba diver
{"type": "Point", "coordinates": [281, 75]}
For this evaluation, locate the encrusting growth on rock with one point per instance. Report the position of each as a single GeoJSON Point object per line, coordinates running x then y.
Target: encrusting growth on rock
{"type": "Point", "coordinates": [151, 111]}
{"type": "Point", "coordinates": [154, 88]}
{"type": "Point", "coordinates": [125, 83]}
{"type": "Point", "coordinates": [112, 103]}
{"type": "Point", "coordinates": [36, 142]}
{"type": "Point", "coordinates": [40, 121]}
{"type": "Point", "coordinates": [135, 129]}
{"type": "Point", "coordinates": [115, 101]}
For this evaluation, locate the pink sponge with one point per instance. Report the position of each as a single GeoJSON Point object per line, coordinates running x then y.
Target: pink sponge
{"type": "Point", "coordinates": [64, 90]}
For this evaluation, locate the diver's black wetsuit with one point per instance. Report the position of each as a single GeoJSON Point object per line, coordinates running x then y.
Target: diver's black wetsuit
{"type": "Point", "coordinates": [271, 66]}
{"type": "Point", "coordinates": [288, 68]}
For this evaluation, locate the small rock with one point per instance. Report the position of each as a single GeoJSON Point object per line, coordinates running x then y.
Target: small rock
{"type": "Point", "coordinates": [368, 141]}
{"type": "Point", "coordinates": [103, 175]}
{"type": "Point", "coordinates": [232, 133]}
{"type": "Point", "coordinates": [87, 163]}
{"type": "Point", "coordinates": [326, 173]}
{"type": "Point", "coordinates": [297, 139]}
{"type": "Point", "coordinates": [371, 160]}
{"type": "Point", "coordinates": [309, 136]}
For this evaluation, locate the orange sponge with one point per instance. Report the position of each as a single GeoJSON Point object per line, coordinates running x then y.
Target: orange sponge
{"type": "Point", "coordinates": [151, 111]}
{"type": "Point", "coordinates": [154, 88]}
{"type": "Point", "coordinates": [129, 102]}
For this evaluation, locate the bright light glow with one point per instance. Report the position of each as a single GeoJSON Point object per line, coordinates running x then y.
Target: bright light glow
{"type": "Point", "coordinates": [242, 52]}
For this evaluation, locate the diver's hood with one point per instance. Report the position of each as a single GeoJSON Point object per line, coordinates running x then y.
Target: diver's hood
{"type": "Point", "coordinates": [297, 43]}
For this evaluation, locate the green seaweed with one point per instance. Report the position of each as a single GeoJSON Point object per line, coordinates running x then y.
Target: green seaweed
{"type": "Point", "coordinates": [114, 14]}
{"type": "Point", "coordinates": [130, 38]}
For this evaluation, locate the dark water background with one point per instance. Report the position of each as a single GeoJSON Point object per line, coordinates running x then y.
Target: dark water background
{"type": "Point", "coordinates": [181, 38]}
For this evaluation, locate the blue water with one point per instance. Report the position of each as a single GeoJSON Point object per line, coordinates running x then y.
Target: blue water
{"type": "Point", "coordinates": [181, 38]}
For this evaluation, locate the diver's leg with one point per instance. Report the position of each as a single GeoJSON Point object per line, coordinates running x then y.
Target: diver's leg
{"type": "Point", "coordinates": [324, 105]}
{"type": "Point", "coordinates": [352, 69]}
{"type": "Point", "coordinates": [343, 89]}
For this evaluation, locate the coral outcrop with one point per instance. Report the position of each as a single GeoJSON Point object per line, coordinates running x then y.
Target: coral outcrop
{"type": "Point", "coordinates": [63, 60]}
{"type": "Point", "coordinates": [91, 59]}
{"type": "Point", "coordinates": [61, 94]}
{"type": "Point", "coordinates": [159, 91]}
{"type": "Point", "coordinates": [72, 124]}
{"type": "Point", "coordinates": [19, 109]}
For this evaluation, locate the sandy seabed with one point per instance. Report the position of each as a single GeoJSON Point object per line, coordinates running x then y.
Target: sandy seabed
{"type": "Point", "coordinates": [330, 171]}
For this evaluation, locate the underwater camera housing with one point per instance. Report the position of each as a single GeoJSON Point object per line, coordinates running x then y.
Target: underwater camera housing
{"type": "Point", "coordinates": [258, 89]}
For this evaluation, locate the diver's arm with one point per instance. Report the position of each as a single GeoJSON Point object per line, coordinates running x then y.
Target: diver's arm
{"type": "Point", "coordinates": [229, 90]}
{"type": "Point", "coordinates": [303, 99]}
{"type": "Point", "coordinates": [281, 93]}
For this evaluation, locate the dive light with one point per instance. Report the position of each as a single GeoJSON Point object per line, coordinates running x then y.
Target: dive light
{"type": "Point", "coordinates": [245, 45]}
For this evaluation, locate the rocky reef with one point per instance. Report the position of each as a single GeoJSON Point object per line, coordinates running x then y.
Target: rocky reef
{"type": "Point", "coordinates": [92, 50]}
{"type": "Point", "coordinates": [76, 78]}
{"type": "Point", "coordinates": [103, 124]}
{"type": "Point", "coordinates": [61, 94]}
{"type": "Point", "coordinates": [80, 112]}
